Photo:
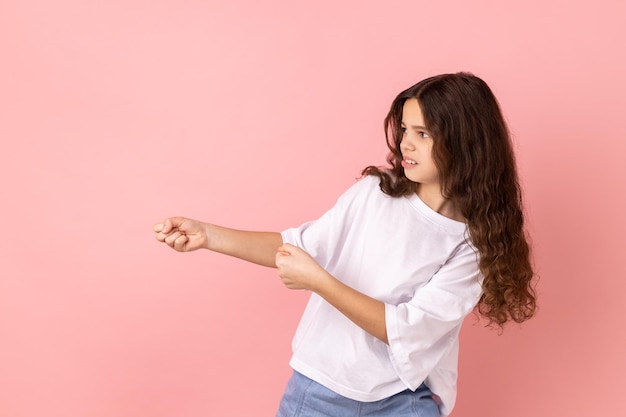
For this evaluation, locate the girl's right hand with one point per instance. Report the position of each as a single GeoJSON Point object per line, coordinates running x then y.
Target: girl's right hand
{"type": "Point", "coordinates": [182, 234]}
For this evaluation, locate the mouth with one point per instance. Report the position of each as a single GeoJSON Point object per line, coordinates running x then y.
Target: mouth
{"type": "Point", "coordinates": [408, 162]}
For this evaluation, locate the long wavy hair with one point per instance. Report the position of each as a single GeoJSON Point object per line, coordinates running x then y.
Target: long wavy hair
{"type": "Point", "coordinates": [474, 156]}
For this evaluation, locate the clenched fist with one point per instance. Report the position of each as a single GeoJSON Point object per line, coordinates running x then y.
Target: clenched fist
{"type": "Point", "coordinates": [182, 234]}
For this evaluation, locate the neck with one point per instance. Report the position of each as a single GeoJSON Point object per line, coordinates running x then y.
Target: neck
{"type": "Point", "coordinates": [433, 198]}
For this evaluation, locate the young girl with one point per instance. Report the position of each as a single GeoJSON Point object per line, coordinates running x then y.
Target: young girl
{"type": "Point", "coordinates": [400, 260]}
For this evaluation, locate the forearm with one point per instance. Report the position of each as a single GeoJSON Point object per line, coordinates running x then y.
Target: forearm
{"type": "Point", "coordinates": [365, 311]}
{"type": "Point", "coordinates": [257, 247]}
{"type": "Point", "coordinates": [298, 270]}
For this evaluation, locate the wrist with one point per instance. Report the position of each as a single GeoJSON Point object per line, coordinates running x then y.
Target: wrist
{"type": "Point", "coordinates": [209, 232]}
{"type": "Point", "coordinates": [323, 283]}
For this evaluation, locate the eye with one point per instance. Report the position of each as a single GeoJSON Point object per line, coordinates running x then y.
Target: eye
{"type": "Point", "coordinates": [403, 130]}
{"type": "Point", "coordinates": [423, 134]}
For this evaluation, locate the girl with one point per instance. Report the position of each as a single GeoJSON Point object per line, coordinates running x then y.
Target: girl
{"type": "Point", "coordinates": [404, 255]}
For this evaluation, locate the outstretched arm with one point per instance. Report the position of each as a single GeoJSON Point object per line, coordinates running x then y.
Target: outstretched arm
{"type": "Point", "coordinates": [298, 270]}
{"type": "Point", "coordinates": [186, 235]}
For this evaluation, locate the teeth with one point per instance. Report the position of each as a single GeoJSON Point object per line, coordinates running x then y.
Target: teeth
{"type": "Point", "coordinates": [410, 162]}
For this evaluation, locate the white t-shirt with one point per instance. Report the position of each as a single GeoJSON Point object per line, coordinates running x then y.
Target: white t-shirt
{"type": "Point", "coordinates": [403, 253]}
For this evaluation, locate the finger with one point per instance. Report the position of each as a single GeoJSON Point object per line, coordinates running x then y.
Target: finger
{"type": "Point", "coordinates": [285, 249]}
{"type": "Point", "coordinates": [170, 239]}
{"type": "Point", "coordinates": [158, 227]}
{"type": "Point", "coordinates": [167, 225]}
{"type": "Point", "coordinates": [180, 242]}
{"type": "Point", "coordinates": [171, 223]}
{"type": "Point", "coordinates": [160, 236]}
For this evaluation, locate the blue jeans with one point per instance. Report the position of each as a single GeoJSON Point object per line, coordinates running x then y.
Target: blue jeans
{"type": "Point", "coordinates": [306, 398]}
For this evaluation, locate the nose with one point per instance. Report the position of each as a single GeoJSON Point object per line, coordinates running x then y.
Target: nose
{"type": "Point", "coordinates": [406, 145]}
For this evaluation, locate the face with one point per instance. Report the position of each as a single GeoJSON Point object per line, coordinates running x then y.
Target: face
{"type": "Point", "coordinates": [416, 147]}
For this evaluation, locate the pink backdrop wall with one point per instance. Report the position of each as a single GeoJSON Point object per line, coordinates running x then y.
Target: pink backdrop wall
{"type": "Point", "coordinates": [257, 115]}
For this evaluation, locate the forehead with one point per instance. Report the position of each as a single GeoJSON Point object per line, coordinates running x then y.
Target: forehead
{"type": "Point", "coordinates": [412, 112]}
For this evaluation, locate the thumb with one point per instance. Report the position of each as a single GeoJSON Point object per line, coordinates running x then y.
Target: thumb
{"type": "Point", "coordinates": [167, 226]}
{"type": "Point", "coordinates": [171, 223]}
{"type": "Point", "coordinates": [284, 250]}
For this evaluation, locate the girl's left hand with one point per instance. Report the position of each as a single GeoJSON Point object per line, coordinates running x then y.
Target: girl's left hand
{"type": "Point", "coordinates": [297, 269]}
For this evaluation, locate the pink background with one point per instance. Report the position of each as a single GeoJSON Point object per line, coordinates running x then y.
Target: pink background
{"type": "Point", "coordinates": [257, 115]}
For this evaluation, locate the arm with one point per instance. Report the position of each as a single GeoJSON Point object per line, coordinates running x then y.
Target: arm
{"type": "Point", "coordinates": [299, 270]}
{"type": "Point", "coordinates": [186, 235]}
{"type": "Point", "coordinates": [366, 312]}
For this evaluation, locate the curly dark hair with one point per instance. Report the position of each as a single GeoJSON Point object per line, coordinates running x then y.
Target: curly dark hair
{"type": "Point", "coordinates": [474, 156]}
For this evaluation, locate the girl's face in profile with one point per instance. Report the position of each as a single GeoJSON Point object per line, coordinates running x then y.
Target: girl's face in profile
{"type": "Point", "coordinates": [416, 147]}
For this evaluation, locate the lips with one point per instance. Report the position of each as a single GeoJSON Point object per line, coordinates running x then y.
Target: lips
{"type": "Point", "coordinates": [408, 163]}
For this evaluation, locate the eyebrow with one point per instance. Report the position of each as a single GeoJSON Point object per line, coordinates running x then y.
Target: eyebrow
{"type": "Point", "coordinates": [415, 127]}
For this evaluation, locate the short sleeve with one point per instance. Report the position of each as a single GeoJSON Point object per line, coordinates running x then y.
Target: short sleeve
{"type": "Point", "coordinates": [424, 330]}
{"type": "Point", "coordinates": [324, 237]}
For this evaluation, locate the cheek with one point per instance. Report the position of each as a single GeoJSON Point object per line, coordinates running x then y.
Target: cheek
{"type": "Point", "coordinates": [431, 154]}
{"type": "Point", "coordinates": [427, 151]}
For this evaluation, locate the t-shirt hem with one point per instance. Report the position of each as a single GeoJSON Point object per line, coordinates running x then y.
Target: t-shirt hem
{"type": "Point", "coordinates": [342, 390]}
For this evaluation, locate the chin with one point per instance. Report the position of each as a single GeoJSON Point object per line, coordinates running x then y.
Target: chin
{"type": "Point", "coordinates": [413, 178]}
